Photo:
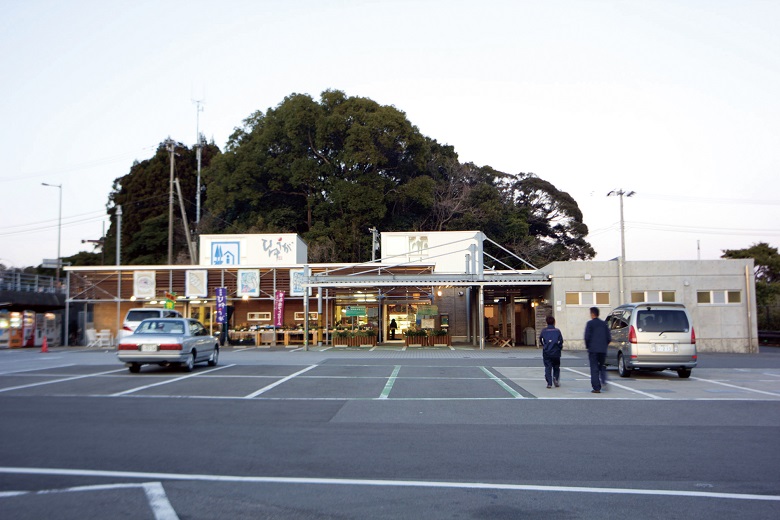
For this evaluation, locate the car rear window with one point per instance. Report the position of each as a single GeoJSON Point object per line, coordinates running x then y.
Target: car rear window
{"type": "Point", "coordinates": [141, 314]}
{"type": "Point", "coordinates": [160, 327]}
{"type": "Point", "coordinates": [662, 320]}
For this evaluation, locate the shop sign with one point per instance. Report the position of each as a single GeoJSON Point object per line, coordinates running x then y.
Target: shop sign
{"type": "Point", "coordinates": [221, 304]}
{"type": "Point", "coordinates": [428, 310]}
{"type": "Point", "coordinates": [353, 310]}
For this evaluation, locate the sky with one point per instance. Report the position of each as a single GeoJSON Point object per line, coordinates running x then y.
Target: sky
{"type": "Point", "coordinates": [676, 101]}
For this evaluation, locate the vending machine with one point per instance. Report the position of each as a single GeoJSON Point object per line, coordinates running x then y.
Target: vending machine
{"type": "Point", "coordinates": [32, 329]}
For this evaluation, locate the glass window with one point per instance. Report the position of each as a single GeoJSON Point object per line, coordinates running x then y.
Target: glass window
{"type": "Point", "coordinates": [586, 298]}
{"type": "Point", "coordinates": [667, 296]}
{"type": "Point", "coordinates": [734, 297]}
{"type": "Point", "coordinates": [637, 297]}
{"type": "Point", "coordinates": [572, 298]}
{"type": "Point", "coordinates": [718, 297]}
{"type": "Point", "coordinates": [703, 297]}
{"type": "Point", "coordinates": [602, 298]}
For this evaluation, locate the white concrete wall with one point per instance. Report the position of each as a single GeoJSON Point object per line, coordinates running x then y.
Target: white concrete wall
{"type": "Point", "coordinates": [719, 327]}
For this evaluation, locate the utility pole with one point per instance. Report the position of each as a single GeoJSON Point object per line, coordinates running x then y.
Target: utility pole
{"type": "Point", "coordinates": [198, 150]}
{"type": "Point", "coordinates": [170, 146]}
{"type": "Point", "coordinates": [59, 229]}
{"type": "Point", "coordinates": [118, 270]}
{"type": "Point", "coordinates": [620, 193]}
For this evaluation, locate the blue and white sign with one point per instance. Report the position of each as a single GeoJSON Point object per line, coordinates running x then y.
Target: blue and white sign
{"type": "Point", "coordinates": [296, 283]}
{"type": "Point", "coordinates": [225, 253]}
{"type": "Point", "coordinates": [221, 304]}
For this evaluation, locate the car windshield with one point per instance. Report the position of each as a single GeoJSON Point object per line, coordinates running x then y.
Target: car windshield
{"type": "Point", "coordinates": [160, 327]}
{"type": "Point", "coordinates": [141, 315]}
{"type": "Point", "coordinates": [662, 320]}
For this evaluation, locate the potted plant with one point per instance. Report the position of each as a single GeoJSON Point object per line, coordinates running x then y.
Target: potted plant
{"type": "Point", "coordinates": [341, 338]}
{"type": "Point", "coordinates": [366, 337]}
{"type": "Point", "coordinates": [440, 338]}
{"type": "Point", "coordinates": [415, 337]}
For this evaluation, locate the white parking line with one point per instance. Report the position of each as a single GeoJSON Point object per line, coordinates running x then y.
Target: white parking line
{"type": "Point", "coordinates": [736, 386]}
{"type": "Point", "coordinates": [144, 387]}
{"type": "Point", "coordinates": [274, 385]}
{"type": "Point", "coordinates": [617, 385]}
{"type": "Point", "coordinates": [34, 369]}
{"type": "Point", "coordinates": [386, 483]}
{"type": "Point", "coordinates": [155, 494]}
{"type": "Point", "coordinates": [40, 383]}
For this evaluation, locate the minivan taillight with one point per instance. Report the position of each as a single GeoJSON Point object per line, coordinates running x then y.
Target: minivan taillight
{"type": "Point", "coordinates": [127, 328]}
{"type": "Point", "coordinates": [693, 336]}
{"type": "Point", "coordinates": [632, 334]}
{"type": "Point", "coordinates": [170, 346]}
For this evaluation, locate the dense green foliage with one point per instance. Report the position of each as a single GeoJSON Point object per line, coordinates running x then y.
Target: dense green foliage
{"type": "Point", "coordinates": [331, 169]}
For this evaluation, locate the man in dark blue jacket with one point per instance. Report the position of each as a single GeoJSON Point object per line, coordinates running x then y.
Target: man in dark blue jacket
{"type": "Point", "coordinates": [597, 337]}
{"type": "Point", "coordinates": [551, 340]}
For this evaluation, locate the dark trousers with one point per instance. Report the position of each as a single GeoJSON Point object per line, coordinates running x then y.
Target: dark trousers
{"type": "Point", "coordinates": [392, 333]}
{"type": "Point", "coordinates": [598, 370]}
{"type": "Point", "coordinates": [552, 368]}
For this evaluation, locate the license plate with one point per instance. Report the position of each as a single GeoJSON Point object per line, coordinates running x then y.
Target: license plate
{"type": "Point", "coordinates": [149, 348]}
{"type": "Point", "coordinates": [664, 348]}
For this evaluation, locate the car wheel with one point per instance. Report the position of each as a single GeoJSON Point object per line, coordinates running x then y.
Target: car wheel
{"type": "Point", "coordinates": [684, 373]}
{"type": "Point", "coordinates": [188, 365]}
{"type": "Point", "coordinates": [214, 357]}
{"type": "Point", "coordinates": [623, 370]}
{"type": "Point", "coordinates": [134, 368]}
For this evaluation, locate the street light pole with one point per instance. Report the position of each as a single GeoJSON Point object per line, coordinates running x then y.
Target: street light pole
{"type": "Point", "coordinates": [620, 193]}
{"type": "Point", "coordinates": [59, 228]}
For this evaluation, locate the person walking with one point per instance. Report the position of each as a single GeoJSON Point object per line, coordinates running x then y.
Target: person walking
{"type": "Point", "coordinates": [597, 337]}
{"type": "Point", "coordinates": [551, 341]}
{"type": "Point", "coordinates": [393, 327]}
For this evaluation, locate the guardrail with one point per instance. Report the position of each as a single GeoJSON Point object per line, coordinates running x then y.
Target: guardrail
{"type": "Point", "coordinates": [13, 280]}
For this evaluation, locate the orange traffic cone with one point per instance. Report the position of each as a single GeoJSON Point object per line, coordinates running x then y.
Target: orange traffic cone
{"type": "Point", "coordinates": [45, 346]}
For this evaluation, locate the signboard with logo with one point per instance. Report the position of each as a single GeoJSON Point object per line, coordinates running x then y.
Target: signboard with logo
{"type": "Point", "coordinates": [226, 253]}
{"type": "Point", "coordinates": [144, 284]}
{"type": "Point", "coordinates": [354, 310]}
{"type": "Point", "coordinates": [428, 310]}
{"type": "Point", "coordinates": [221, 304]}
{"type": "Point", "coordinates": [197, 284]}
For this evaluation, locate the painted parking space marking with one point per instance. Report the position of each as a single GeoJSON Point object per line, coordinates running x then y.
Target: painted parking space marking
{"type": "Point", "coordinates": [385, 483]}
{"type": "Point", "coordinates": [390, 382]}
{"type": "Point", "coordinates": [14, 372]}
{"type": "Point", "coordinates": [62, 380]}
{"type": "Point", "coordinates": [744, 388]}
{"type": "Point", "coordinates": [281, 381]}
{"type": "Point", "coordinates": [611, 383]}
{"type": "Point", "coordinates": [514, 393]}
{"type": "Point", "coordinates": [168, 381]}
{"type": "Point", "coordinates": [155, 495]}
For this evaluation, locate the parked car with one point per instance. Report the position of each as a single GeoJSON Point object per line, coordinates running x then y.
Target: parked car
{"type": "Point", "coordinates": [168, 341]}
{"type": "Point", "coordinates": [652, 336]}
{"type": "Point", "coordinates": [136, 316]}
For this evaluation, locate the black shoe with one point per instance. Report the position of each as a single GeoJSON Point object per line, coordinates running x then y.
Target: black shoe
{"type": "Point", "coordinates": [595, 391]}
{"type": "Point", "coordinates": [549, 386]}
{"type": "Point", "coordinates": [556, 383]}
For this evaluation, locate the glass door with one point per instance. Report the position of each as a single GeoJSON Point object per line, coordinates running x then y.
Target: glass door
{"type": "Point", "coordinates": [204, 313]}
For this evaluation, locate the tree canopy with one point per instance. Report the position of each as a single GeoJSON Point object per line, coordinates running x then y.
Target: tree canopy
{"type": "Point", "coordinates": [767, 271]}
{"type": "Point", "coordinates": [330, 169]}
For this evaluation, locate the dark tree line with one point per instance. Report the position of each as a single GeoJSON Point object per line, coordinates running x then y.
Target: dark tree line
{"type": "Point", "coordinates": [329, 170]}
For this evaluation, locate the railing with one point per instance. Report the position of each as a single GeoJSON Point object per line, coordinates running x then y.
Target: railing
{"type": "Point", "coordinates": [14, 280]}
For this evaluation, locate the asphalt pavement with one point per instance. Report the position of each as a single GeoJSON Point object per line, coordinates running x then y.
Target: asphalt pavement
{"type": "Point", "coordinates": [356, 434]}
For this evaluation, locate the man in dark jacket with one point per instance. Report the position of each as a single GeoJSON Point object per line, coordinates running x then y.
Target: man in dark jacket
{"type": "Point", "coordinates": [597, 337]}
{"type": "Point", "coordinates": [551, 340]}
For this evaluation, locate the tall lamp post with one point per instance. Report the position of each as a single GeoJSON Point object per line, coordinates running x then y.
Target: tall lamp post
{"type": "Point", "coordinates": [59, 228]}
{"type": "Point", "coordinates": [620, 193]}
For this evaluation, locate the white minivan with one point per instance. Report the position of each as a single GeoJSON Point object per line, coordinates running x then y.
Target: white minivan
{"type": "Point", "coordinates": [136, 316]}
{"type": "Point", "coordinates": [652, 336]}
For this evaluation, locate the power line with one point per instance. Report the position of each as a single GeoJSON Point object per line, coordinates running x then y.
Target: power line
{"type": "Point", "coordinates": [654, 226]}
{"type": "Point", "coordinates": [709, 200]}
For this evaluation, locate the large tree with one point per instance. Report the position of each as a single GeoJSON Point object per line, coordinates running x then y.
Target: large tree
{"type": "Point", "coordinates": [767, 271]}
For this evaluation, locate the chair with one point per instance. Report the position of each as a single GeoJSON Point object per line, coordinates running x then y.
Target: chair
{"type": "Point", "coordinates": [91, 335]}
{"type": "Point", "coordinates": [104, 339]}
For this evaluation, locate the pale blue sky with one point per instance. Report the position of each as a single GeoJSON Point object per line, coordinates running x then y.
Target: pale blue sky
{"type": "Point", "coordinates": [676, 100]}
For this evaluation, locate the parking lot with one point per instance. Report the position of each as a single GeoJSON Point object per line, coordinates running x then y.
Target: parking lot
{"type": "Point", "coordinates": [247, 374]}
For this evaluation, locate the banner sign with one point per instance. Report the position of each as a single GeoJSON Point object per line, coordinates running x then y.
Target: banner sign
{"type": "Point", "coordinates": [279, 309]}
{"type": "Point", "coordinates": [196, 285]}
{"type": "Point", "coordinates": [144, 284]}
{"type": "Point", "coordinates": [221, 304]}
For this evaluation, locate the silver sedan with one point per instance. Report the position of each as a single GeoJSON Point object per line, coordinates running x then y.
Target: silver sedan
{"type": "Point", "coordinates": [168, 341]}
